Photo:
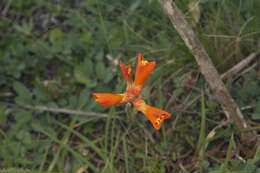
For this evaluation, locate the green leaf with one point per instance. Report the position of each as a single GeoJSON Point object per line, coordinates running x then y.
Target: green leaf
{"type": "Point", "coordinates": [22, 118]}
{"type": "Point", "coordinates": [86, 37]}
{"type": "Point", "coordinates": [81, 73]}
{"type": "Point", "coordinates": [24, 95]}
{"type": "Point", "coordinates": [3, 116]}
{"type": "Point", "coordinates": [73, 102]}
{"type": "Point", "coordinates": [88, 66]}
{"type": "Point", "coordinates": [252, 88]}
{"type": "Point", "coordinates": [85, 80]}
{"type": "Point", "coordinates": [109, 76]}
{"type": "Point", "coordinates": [99, 55]}
{"type": "Point", "coordinates": [101, 70]}
{"type": "Point", "coordinates": [135, 5]}
{"type": "Point", "coordinates": [211, 105]}
{"type": "Point", "coordinates": [56, 35]}
{"type": "Point", "coordinates": [41, 94]}
{"type": "Point", "coordinates": [89, 128]}
{"type": "Point", "coordinates": [162, 148]}
{"type": "Point", "coordinates": [25, 28]}
{"type": "Point", "coordinates": [83, 98]}
{"type": "Point", "coordinates": [37, 126]}
{"type": "Point", "coordinates": [251, 75]}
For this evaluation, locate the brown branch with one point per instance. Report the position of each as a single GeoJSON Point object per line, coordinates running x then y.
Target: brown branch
{"type": "Point", "coordinates": [56, 110]}
{"type": "Point", "coordinates": [238, 67]}
{"type": "Point", "coordinates": [207, 68]}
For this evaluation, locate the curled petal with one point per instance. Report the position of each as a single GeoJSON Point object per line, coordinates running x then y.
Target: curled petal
{"type": "Point", "coordinates": [127, 72]}
{"type": "Point", "coordinates": [108, 99]}
{"type": "Point", "coordinates": [143, 70]}
{"type": "Point", "coordinates": [155, 115]}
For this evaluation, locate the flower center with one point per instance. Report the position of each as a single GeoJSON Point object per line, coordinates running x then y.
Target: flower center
{"type": "Point", "coordinates": [144, 62]}
{"type": "Point", "coordinates": [129, 71]}
{"type": "Point", "coordinates": [157, 121]}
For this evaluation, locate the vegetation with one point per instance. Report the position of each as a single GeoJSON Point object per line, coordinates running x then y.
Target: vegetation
{"type": "Point", "coordinates": [55, 54]}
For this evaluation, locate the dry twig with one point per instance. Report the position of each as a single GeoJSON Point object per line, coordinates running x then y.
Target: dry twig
{"type": "Point", "coordinates": [207, 68]}
{"type": "Point", "coordinates": [238, 67]}
{"type": "Point", "coordinates": [56, 110]}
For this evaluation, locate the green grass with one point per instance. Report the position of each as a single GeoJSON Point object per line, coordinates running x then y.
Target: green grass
{"type": "Point", "coordinates": [57, 53]}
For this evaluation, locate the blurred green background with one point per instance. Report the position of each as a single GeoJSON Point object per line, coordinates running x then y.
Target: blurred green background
{"type": "Point", "coordinates": [55, 53]}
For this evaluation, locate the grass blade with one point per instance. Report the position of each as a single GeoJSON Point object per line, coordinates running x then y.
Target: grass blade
{"type": "Point", "coordinates": [84, 139]}
{"type": "Point", "coordinates": [125, 154]}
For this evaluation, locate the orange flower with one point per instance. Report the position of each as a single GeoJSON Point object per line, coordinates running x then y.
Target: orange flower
{"type": "Point", "coordinates": [108, 99]}
{"type": "Point", "coordinates": [155, 115]}
{"type": "Point", "coordinates": [143, 70]}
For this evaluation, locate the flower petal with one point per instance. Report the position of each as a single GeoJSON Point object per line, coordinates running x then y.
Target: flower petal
{"type": "Point", "coordinates": [143, 70]}
{"type": "Point", "coordinates": [108, 99]}
{"type": "Point", "coordinates": [155, 115]}
{"type": "Point", "coordinates": [127, 72]}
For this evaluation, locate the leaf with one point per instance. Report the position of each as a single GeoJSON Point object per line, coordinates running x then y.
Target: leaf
{"type": "Point", "coordinates": [86, 37]}
{"type": "Point", "coordinates": [109, 76]}
{"type": "Point", "coordinates": [75, 20]}
{"type": "Point", "coordinates": [135, 5]}
{"type": "Point", "coordinates": [88, 66]}
{"type": "Point", "coordinates": [83, 98]}
{"type": "Point", "coordinates": [211, 105]}
{"type": "Point", "coordinates": [162, 148]}
{"type": "Point", "coordinates": [41, 95]}
{"type": "Point", "coordinates": [85, 67]}
{"type": "Point", "coordinates": [72, 102]}
{"type": "Point", "coordinates": [22, 118]}
{"type": "Point", "coordinates": [41, 48]}
{"type": "Point", "coordinates": [37, 126]}
{"type": "Point", "coordinates": [24, 95]}
{"type": "Point", "coordinates": [56, 35]}
{"type": "Point", "coordinates": [99, 55]}
{"type": "Point", "coordinates": [82, 74]}
{"type": "Point", "coordinates": [25, 28]}
{"type": "Point", "coordinates": [251, 75]}
{"type": "Point", "coordinates": [85, 80]}
{"type": "Point", "coordinates": [250, 90]}
{"type": "Point", "coordinates": [101, 70]}
{"type": "Point", "coordinates": [3, 116]}
{"type": "Point", "coordinates": [89, 128]}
